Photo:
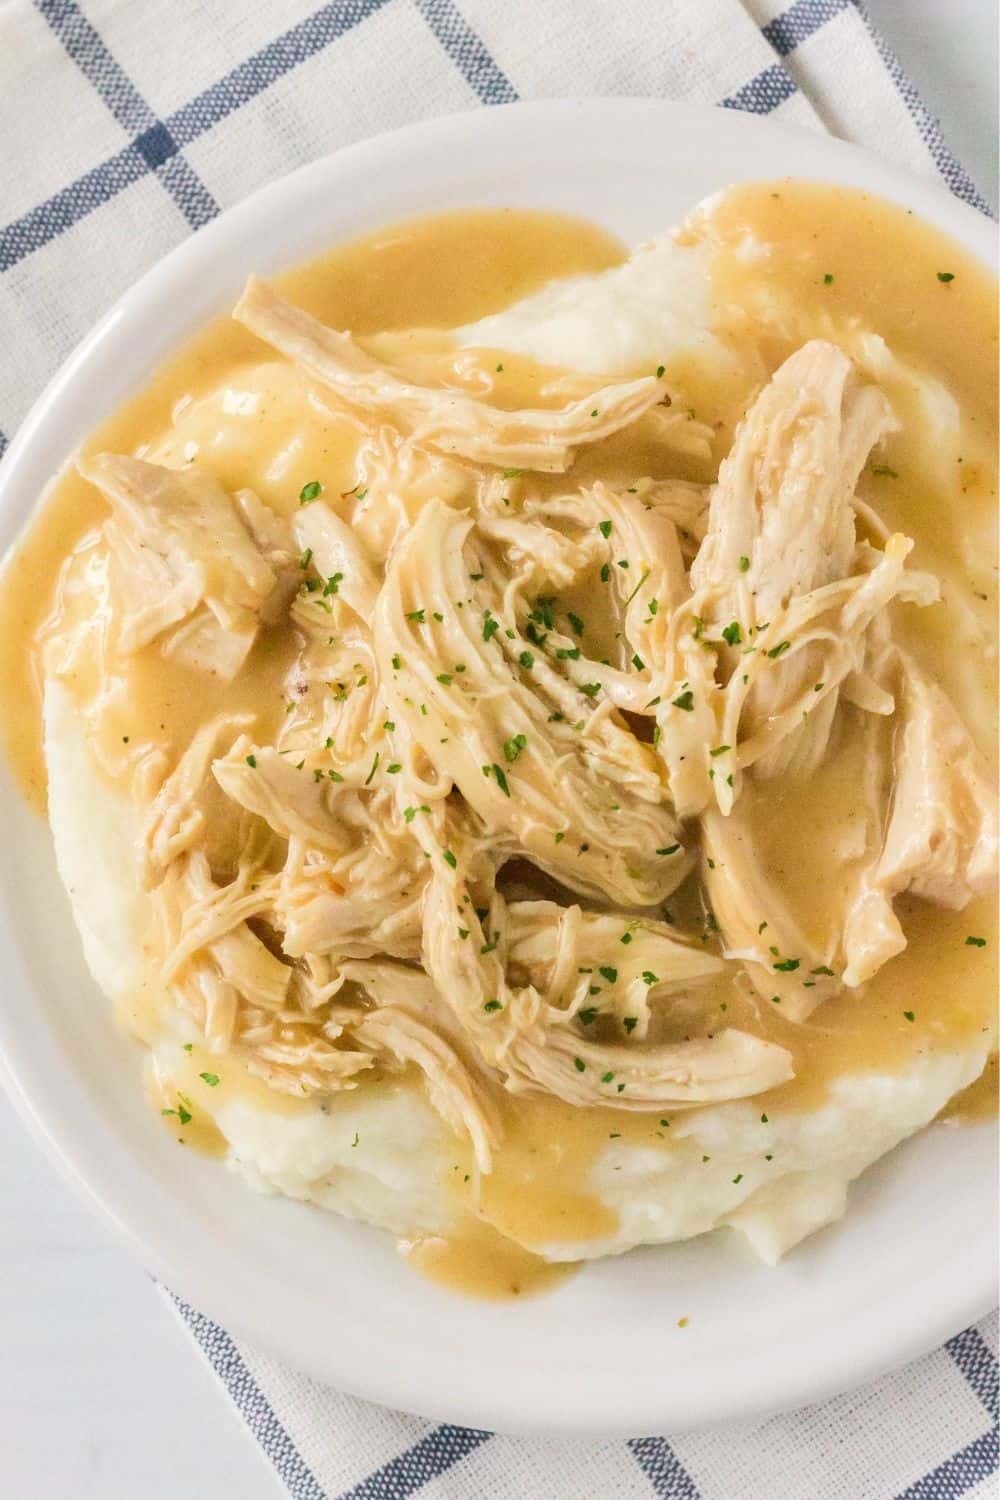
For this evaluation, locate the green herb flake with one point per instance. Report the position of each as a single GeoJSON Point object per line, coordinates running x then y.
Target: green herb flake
{"type": "Point", "coordinates": [744, 564]}
{"type": "Point", "coordinates": [450, 859]}
{"type": "Point", "coordinates": [590, 689]}
{"type": "Point", "coordinates": [828, 279]}
{"type": "Point", "coordinates": [884, 472]}
{"type": "Point", "coordinates": [252, 762]}
{"type": "Point", "coordinates": [526, 660]}
{"type": "Point", "coordinates": [975, 942]}
{"type": "Point", "coordinates": [374, 768]}
{"type": "Point", "coordinates": [786, 966]}
{"type": "Point", "coordinates": [588, 1015]}
{"type": "Point", "coordinates": [604, 527]}
{"type": "Point", "coordinates": [212, 1079]}
{"type": "Point", "coordinates": [513, 747]}
{"type": "Point", "coordinates": [684, 701]}
{"type": "Point", "coordinates": [779, 650]}
{"type": "Point", "coordinates": [610, 974]}
{"type": "Point", "coordinates": [310, 492]}
{"type": "Point", "coordinates": [445, 678]}
{"type": "Point", "coordinates": [501, 779]}
{"type": "Point", "coordinates": [630, 1023]}
{"type": "Point", "coordinates": [579, 1065]}
{"type": "Point", "coordinates": [946, 276]}
{"type": "Point", "coordinates": [416, 617]}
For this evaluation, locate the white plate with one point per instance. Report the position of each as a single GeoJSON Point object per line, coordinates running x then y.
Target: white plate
{"type": "Point", "coordinates": [914, 1260]}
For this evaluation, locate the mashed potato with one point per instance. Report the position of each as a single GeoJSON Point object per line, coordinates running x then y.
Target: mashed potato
{"type": "Point", "coordinates": [768, 852]}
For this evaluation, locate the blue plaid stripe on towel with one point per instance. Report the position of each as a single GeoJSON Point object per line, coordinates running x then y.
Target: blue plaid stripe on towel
{"type": "Point", "coordinates": [125, 125]}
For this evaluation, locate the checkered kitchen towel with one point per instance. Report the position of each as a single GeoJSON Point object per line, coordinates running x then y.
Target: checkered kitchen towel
{"type": "Point", "coordinates": [127, 124]}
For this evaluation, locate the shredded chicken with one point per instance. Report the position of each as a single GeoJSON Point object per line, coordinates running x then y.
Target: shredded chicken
{"type": "Point", "coordinates": [940, 837]}
{"type": "Point", "coordinates": [498, 667]}
{"type": "Point", "coordinates": [449, 420]}
{"type": "Point", "coordinates": [775, 629]}
{"type": "Point", "coordinates": [186, 568]}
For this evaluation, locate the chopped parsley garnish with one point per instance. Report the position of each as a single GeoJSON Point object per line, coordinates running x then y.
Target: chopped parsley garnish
{"type": "Point", "coordinates": [590, 689]}
{"type": "Point", "coordinates": [649, 977]}
{"type": "Point", "coordinates": [490, 626]}
{"type": "Point", "coordinates": [828, 279]}
{"type": "Point", "coordinates": [684, 700]}
{"type": "Point", "coordinates": [394, 769]}
{"type": "Point", "coordinates": [638, 663]}
{"type": "Point", "coordinates": [975, 942]}
{"type": "Point", "coordinates": [416, 616]}
{"type": "Point", "coordinates": [605, 573]}
{"type": "Point", "coordinates": [719, 750]}
{"type": "Point", "coordinates": [310, 492]}
{"type": "Point", "coordinates": [604, 527]}
{"type": "Point", "coordinates": [910, 1015]}
{"type": "Point", "coordinates": [252, 762]}
{"type": "Point", "coordinates": [513, 747]}
{"type": "Point", "coordinates": [445, 678]}
{"type": "Point", "coordinates": [630, 1022]}
{"type": "Point", "coordinates": [579, 1065]}
{"type": "Point", "coordinates": [526, 660]}
{"type": "Point", "coordinates": [374, 768]}
{"type": "Point", "coordinates": [884, 472]}
{"type": "Point", "coordinates": [500, 777]}
{"type": "Point", "coordinates": [568, 653]}
{"type": "Point", "coordinates": [625, 938]}
{"type": "Point", "coordinates": [744, 564]}
{"type": "Point", "coordinates": [513, 473]}
{"type": "Point", "coordinates": [946, 276]}
{"type": "Point", "coordinates": [779, 650]}
{"type": "Point", "coordinates": [737, 1178]}
{"type": "Point", "coordinates": [670, 849]}
{"type": "Point", "coordinates": [588, 1014]}
{"type": "Point", "coordinates": [306, 558]}
{"type": "Point", "coordinates": [450, 859]}
{"type": "Point", "coordinates": [212, 1079]}
{"type": "Point", "coordinates": [576, 622]}
{"type": "Point", "coordinates": [333, 585]}
{"type": "Point", "coordinates": [659, 371]}
{"type": "Point", "coordinates": [787, 966]}
{"type": "Point", "coordinates": [732, 635]}
{"type": "Point", "coordinates": [397, 662]}
{"type": "Point", "coordinates": [610, 974]}
{"type": "Point", "coordinates": [822, 969]}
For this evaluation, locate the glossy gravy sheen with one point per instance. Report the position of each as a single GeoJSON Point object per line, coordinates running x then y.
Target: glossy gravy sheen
{"type": "Point", "coordinates": [838, 264]}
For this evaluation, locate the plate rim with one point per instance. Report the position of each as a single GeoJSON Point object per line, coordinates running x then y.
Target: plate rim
{"type": "Point", "coordinates": [59, 410]}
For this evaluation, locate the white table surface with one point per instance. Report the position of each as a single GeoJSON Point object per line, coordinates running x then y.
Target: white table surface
{"type": "Point", "coordinates": [102, 1394]}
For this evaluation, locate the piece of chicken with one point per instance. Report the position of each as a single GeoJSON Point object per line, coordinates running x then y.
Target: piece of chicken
{"type": "Point", "coordinates": [186, 570]}
{"type": "Point", "coordinates": [451, 421]}
{"type": "Point", "coordinates": [940, 830]}
{"type": "Point", "coordinates": [782, 596]}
